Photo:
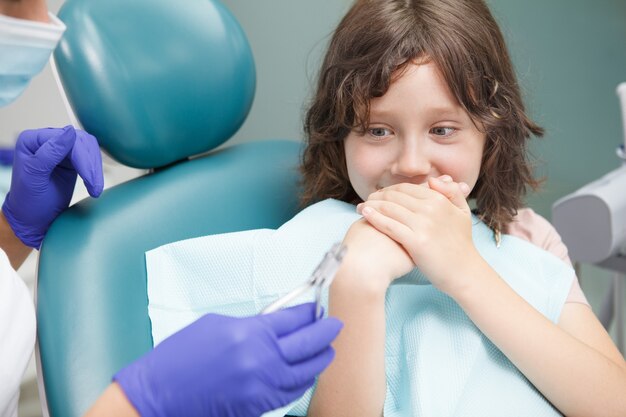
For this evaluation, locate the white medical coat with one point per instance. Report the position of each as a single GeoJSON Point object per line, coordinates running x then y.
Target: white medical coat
{"type": "Point", "coordinates": [24, 50]}
{"type": "Point", "coordinates": [17, 335]}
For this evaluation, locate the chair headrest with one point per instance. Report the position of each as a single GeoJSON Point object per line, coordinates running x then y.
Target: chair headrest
{"type": "Point", "coordinates": [156, 81]}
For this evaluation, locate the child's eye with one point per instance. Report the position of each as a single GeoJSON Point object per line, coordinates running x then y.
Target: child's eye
{"type": "Point", "coordinates": [442, 131]}
{"type": "Point", "coordinates": [379, 132]}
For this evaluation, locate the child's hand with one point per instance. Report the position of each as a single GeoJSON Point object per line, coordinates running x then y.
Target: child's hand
{"type": "Point", "coordinates": [432, 223]}
{"type": "Point", "coordinates": [374, 258]}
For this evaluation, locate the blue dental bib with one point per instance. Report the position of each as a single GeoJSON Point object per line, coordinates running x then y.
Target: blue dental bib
{"type": "Point", "coordinates": [437, 361]}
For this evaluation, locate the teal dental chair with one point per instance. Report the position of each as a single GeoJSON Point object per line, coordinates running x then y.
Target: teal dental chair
{"type": "Point", "coordinates": [156, 81]}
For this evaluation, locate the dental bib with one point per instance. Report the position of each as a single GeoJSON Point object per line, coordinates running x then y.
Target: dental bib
{"type": "Point", "coordinates": [437, 361]}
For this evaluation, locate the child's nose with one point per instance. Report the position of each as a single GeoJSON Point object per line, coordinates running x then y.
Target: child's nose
{"type": "Point", "coordinates": [411, 161]}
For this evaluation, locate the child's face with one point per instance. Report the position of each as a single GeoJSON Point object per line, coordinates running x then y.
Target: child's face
{"type": "Point", "coordinates": [417, 130]}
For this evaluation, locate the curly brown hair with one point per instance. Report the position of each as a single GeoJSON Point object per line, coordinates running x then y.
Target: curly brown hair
{"type": "Point", "coordinates": [375, 40]}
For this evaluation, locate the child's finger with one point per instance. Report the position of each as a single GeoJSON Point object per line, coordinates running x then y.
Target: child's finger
{"type": "Point", "coordinates": [465, 189]}
{"type": "Point", "coordinates": [416, 191]}
{"type": "Point", "coordinates": [453, 191]}
{"type": "Point", "coordinates": [396, 230]}
{"type": "Point", "coordinates": [391, 210]}
{"type": "Point", "coordinates": [396, 196]}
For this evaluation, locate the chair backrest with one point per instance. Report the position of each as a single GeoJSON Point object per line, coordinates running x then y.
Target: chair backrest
{"type": "Point", "coordinates": [156, 81]}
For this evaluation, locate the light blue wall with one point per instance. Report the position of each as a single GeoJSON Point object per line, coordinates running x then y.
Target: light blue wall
{"type": "Point", "coordinates": [288, 38]}
{"type": "Point", "coordinates": [570, 55]}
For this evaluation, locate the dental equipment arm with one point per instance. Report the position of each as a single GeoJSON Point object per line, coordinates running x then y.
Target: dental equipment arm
{"type": "Point", "coordinates": [621, 93]}
{"type": "Point", "coordinates": [592, 220]}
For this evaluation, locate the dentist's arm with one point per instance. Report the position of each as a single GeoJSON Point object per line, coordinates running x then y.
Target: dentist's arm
{"type": "Point", "coordinates": [16, 251]}
{"type": "Point", "coordinates": [45, 167]}
{"type": "Point", "coordinates": [223, 366]}
{"type": "Point", "coordinates": [25, 9]}
{"type": "Point", "coordinates": [112, 402]}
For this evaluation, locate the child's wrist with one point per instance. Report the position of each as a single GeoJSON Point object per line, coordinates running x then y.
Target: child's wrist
{"type": "Point", "coordinates": [357, 282]}
{"type": "Point", "coordinates": [473, 282]}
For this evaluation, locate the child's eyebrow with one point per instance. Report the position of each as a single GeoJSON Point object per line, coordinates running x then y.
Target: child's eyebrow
{"type": "Point", "coordinates": [429, 111]}
{"type": "Point", "coordinates": [443, 111]}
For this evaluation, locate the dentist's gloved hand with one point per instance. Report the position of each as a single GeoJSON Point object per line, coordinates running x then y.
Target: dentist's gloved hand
{"type": "Point", "coordinates": [225, 367]}
{"type": "Point", "coordinates": [45, 166]}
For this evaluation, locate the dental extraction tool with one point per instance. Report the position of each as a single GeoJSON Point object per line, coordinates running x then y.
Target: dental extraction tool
{"type": "Point", "coordinates": [320, 279]}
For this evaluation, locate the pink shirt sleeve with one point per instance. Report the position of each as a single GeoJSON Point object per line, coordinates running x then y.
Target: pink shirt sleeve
{"type": "Point", "coordinates": [530, 226]}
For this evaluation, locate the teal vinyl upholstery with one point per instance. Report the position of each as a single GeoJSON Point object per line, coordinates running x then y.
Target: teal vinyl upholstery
{"type": "Point", "coordinates": [152, 105]}
{"type": "Point", "coordinates": [92, 300]}
{"type": "Point", "coordinates": [152, 68]}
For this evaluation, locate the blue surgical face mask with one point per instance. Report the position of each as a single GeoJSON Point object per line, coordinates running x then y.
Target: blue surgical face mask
{"type": "Point", "coordinates": [25, 47]}
{"type": "Point", "coordinates": [20, 66]}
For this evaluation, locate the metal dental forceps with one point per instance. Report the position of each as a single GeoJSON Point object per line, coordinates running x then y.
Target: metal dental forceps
{"type": "Point", "coordinates": [321, 278]}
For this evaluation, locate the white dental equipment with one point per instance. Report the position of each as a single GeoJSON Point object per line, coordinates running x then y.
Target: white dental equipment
{"type": "Point", "coordinates": [592, 224]}
{"type": "Point", "coordinates": [320, 279]}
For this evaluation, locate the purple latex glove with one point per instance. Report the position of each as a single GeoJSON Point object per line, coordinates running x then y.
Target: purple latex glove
{"type": "Point", "coordinates": [6, 156]}
{"type": "Point", "coordinates": [45, 166]}
{"type": "Point", "coordinates": [222, 366]}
